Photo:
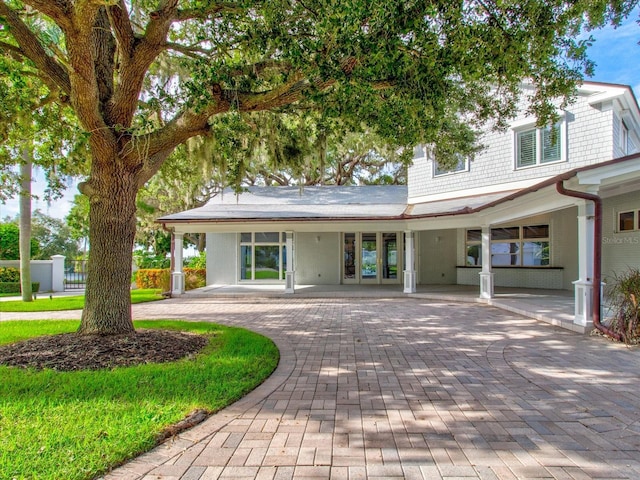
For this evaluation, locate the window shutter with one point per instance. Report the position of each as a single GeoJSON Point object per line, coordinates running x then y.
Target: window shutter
{"type": "Point", "coordinates": [551, 144]}
{"type": "Point", "coordinates": [526, 145]}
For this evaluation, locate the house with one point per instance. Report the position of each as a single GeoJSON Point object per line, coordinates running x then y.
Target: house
{"type": "Point", "coordinates": [526, 212]}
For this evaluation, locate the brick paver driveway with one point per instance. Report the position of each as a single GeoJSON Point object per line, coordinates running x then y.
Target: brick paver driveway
{"type": "Point", "coordinates": [404, 388]}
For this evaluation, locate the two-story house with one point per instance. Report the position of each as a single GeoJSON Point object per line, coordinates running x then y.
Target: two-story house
{"type": "Point", "coordinates": [526, 212]}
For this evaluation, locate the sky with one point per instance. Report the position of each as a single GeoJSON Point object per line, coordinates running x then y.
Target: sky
{"type": "Point", "coordinates": [615, 51]}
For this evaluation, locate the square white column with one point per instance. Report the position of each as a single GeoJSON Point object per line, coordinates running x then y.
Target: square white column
{"type": "Point", "coordinates": [177, 276]}
{"type": "Point", "coordinates": [290, 274]}
{"type": "Point", "coordinates": [486, 275]}
{"type": "Point", "coordinates": [409, 263]}
{"type": "Point", "coordinates": [583, 286]}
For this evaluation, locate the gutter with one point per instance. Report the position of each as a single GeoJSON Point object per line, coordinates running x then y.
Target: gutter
{"type": "Point", "coordinates": [597, 256]}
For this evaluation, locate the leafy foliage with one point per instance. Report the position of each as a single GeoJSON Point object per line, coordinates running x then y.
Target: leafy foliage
{"type": "Point", "coordinates": [194, 278]}
{"type": "Point", "coordinates": [14, 287]}
{"type": "Point", "coordinates": [154, 278]}
{"type": "Point", "coordinates": [199, 262]}
{"type": "Point", "coordinates": [10, 242]}
{"type": "Point", "coordinates": [9, 274]}
{"type": "Point", "coordinates": [49, 236]}
{"type": "Point", "coordinates": [623, 295]}
{"type": "Point", "coordinates": [145, 259]}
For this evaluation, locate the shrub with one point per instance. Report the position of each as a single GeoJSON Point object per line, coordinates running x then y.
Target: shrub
{"type": "Point", "coordinates": [14, 287]}
{"type": "Point", "coordinates": [9, 274]}
{"type": "Point", "coordinates": [154, 278]}
{"type": "Point", "coordinates": [150, 260]}
{"type": "Point", "coordinates": [623, 296]}
{"type": "Point", "coordinates": [194, 278]}
{"type": "Point", "coordinates": [197, 262]}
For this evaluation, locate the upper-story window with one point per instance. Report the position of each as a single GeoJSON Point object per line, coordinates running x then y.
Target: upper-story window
{"type": "Point", "coordinates": [539, 146]}
{"type": "Point", "coordinates": [624, 138]}
{"type": "Point", "coordinates": [462, 165]}
{"type": "Point", "coordinates": [419, 152]}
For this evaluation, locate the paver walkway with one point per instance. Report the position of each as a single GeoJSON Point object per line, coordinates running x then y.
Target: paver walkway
{"type": "Point", "coordinates": [410, 388]}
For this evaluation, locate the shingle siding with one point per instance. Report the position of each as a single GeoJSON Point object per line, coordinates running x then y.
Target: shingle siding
{"type": "Point", "coordinates": [589, 140]}
{"type": "Point", "coordinates": [620, 250]}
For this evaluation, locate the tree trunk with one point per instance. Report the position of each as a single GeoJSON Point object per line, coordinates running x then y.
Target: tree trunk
{"type": "Point", "coordinates": [112, 193]}
{"type": "Point", "coordinates": [25, 225]}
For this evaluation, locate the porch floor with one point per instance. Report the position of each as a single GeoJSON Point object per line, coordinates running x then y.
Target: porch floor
{"type": "Point", "coordinates": [551, 306]}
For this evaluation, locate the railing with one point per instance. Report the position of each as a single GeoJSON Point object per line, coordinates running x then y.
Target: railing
{"type": "Point", "coordinates": [75, 274]}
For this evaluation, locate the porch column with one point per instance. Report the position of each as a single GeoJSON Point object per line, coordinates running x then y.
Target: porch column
{"type": "Point", "coordinates": [486, 275]}
{"type": "Point", "coordinates": [290, 274]}
{"type": "Point", "coordinates": [177, 277]}
{"type": "Point", "coordinates": [409, 263]}
{"type": "Point", "coordinates": [583, 309]}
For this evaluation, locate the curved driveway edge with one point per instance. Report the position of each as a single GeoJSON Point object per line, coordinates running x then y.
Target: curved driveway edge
{"type": "Point", "coordinates": [410, 388]}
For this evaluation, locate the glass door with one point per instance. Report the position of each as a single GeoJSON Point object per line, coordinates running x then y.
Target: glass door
{"type": "Point", "coordinates": [349, 273]}
{"type": "Point", "coordinates": [390, 258]}
{"type": "Point", "coordinates": [369, 258]}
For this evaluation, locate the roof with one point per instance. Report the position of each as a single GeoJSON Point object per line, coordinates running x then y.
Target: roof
{"type": "Point", "coordinates": [379, 202]}
{"type": "Point", "coordinates": [327, 202]}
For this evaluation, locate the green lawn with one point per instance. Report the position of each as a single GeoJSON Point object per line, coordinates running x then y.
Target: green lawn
{"type": "Point", "coordinates": [75, 425]}
{"type": "Point", "coordinates": [76, 302]}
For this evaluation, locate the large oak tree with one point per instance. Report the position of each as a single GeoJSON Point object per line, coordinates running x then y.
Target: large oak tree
{"type": "Point", "coordinates": [415, 71]}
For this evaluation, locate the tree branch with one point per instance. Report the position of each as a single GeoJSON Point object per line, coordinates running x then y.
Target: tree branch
{"type": "Point", "coordinates": [159, 144]}
{"type": "Point", "coordinates": [16, 52]}
{"type": "Point", "coordinates": [32, 49]}
{"type": "Point", "coordinates": [122, 28]}
{"type": "Point", "coordinates": [135, 63]}
{"type": "Point", "coordinates": [201, 13]}
{"type": "Point", "coordinates": [194, 52]}
{"type": "Point", "coordinates": [57, 10]}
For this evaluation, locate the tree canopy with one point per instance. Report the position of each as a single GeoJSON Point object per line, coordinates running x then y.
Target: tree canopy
{"type": "Point", "coordinates": [142, 77]}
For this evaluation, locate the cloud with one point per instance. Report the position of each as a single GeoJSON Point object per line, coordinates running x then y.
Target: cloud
{"type": "Point", "coordinates": [616, 51]}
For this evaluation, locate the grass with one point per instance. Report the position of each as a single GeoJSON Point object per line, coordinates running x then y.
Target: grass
{"type": "Point", "coordinates": [76, 302]}
{"type": "Point", "coordinates": [76, 425]}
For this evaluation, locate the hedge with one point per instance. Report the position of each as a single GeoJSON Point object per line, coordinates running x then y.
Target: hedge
{"type": "Point", "coordinates": [9, 274]}
{"type": "Point", "coordinates": [194, 278]}
{"type": "Point", "coordinates": [14, 287]}
{"type": "Point", "coordinates": [160, 278]}
{"type": "Point", "coordinates": [154, 278]}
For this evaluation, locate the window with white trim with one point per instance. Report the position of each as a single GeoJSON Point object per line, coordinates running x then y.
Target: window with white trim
{"type": "Point", "coordinates": [539, 146]}
{"type": "Point", "coordinates": [624, 138]}
{"type": "Point", "coordinates": [523, 246]}
{"type": "Point", "coordinates": [419, 151]}
{"type": "Point", "coordinates": [629, 221]}
{"type": "Point", "coordinates": [462, 165]}
{"type": "Point", "coordinates": [262, 255]}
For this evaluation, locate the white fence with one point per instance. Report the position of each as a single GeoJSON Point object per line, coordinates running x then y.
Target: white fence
{"type": "Point", "coordinates": [49, 273]}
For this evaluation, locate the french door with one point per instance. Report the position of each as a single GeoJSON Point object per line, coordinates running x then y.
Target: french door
{"type": "Point", "coordinates": [371, 257]}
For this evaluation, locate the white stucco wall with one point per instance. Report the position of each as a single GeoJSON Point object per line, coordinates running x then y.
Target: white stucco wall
{"type": "Point", "coordinates": [437, 257]}
{"type": "Point", "coordinates": [620, 250]}
{"type": "Point", "coordinates": [222, 258]}
{"type": "Point", "coordinates": [317, 258]}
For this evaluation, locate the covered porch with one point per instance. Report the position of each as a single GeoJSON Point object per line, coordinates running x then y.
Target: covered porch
{"type": "Point", "coordinates": [555, 307]}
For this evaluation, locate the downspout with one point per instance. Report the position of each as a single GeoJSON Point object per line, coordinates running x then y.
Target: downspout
{"type": "Point", "coordinates": [597, 255]}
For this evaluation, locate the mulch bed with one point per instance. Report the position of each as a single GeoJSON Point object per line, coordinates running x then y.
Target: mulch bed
{"type": "Point", "coordinates": [70, 351]}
